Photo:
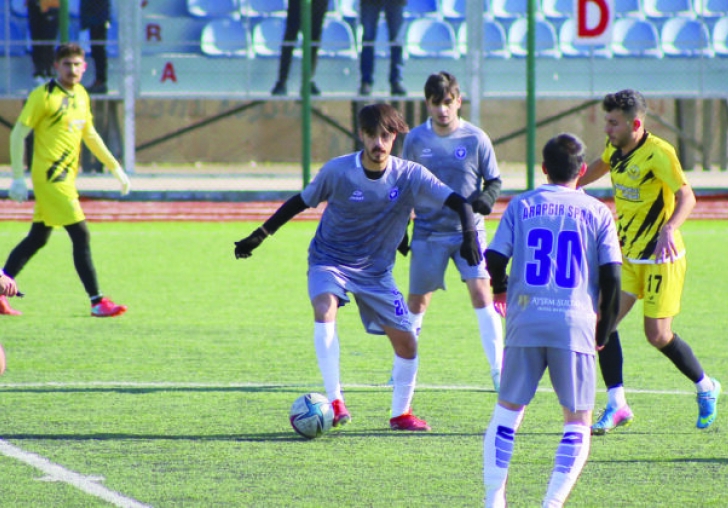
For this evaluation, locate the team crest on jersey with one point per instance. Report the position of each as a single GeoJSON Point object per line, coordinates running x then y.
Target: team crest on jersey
{"type": "Point", "coordinates": [633, 172]}
{"type": "Point", "coordinates": [394, 194]}
{"type": "Point", "coordinates": [426, 152]}
{"type": "Point", "coordinates": [461, 152]}
{"type": "Point", "coordinates": [357, 195]}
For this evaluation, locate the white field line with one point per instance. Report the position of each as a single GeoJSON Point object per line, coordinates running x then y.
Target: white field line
{"type": "Point", "coordinates": [89, 484]}
{"type": "Point", "coordinates": [58, 473]}
{"type": "Point", "coordinates": [182, 386]}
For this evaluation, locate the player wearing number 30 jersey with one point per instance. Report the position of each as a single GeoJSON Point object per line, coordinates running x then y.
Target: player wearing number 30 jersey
{"type": "Point", "coordinates": [565, 270]}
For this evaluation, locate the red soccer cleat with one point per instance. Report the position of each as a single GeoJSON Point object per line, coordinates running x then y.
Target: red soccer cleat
{"type": "Point", "coordinates": [341, 414]}
{"type": "Point", "coordinates": [6, 309]}
{"type": "Point", "coordinates": [408, 421]}
{"type": "Point", "coordinates": [107, 308]}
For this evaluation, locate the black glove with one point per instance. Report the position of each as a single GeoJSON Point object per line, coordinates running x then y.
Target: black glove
{"type": "Point", "coordinates": [482, 204]}
{"type": "Point", "coordinates": [470, 250]}
{"type": "Point", "coordinates": [403, 246]}
{"type": "Point", "coordinates": [244, 248]}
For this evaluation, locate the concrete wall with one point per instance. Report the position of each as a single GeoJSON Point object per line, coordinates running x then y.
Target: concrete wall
{"type": "Point", "coordinates": [272, 132]}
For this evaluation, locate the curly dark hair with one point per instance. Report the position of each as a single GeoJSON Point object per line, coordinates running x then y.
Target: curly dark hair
{"type": "Point", "coordinates": [630, 102]}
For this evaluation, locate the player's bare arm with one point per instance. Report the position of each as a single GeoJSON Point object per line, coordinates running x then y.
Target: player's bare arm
{"type": "Point", "coordinates": [665, 250]}
{"type": "Point", "coordinates": [594, 172]}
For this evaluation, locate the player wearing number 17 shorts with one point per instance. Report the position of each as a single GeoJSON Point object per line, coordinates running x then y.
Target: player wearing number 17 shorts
{"type": "Point", "coordinates": [565, 269]}
{"type": "Point", "coordinates": [653, 198]}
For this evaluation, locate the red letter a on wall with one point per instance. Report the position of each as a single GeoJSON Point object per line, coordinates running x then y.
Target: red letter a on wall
{"type": "Point", "coordinates": [168, 73]}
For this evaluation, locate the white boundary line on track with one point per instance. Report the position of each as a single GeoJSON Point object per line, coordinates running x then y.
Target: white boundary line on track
{"type": "Point", "coordinates": [58, 473]}
{"type": "Point", "coordinates": [165, 384]}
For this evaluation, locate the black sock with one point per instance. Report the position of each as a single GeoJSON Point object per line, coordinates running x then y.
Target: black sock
{"type": "Point", "coordinates": [611, 360]}
{"type": "Point", "coordinates": [680, 353]}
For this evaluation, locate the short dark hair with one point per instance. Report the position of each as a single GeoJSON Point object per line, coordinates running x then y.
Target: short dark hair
{"type": "Point", "coordinates": [563, 156]}
{"type": "Point", "coordinates": [68, 49]}
{"type": "Point", "coordinates": [381, 115]}
{"type": "Point", "coordinates": [440, 85]}
{"type": "Point", "coordinates": [630, 102]}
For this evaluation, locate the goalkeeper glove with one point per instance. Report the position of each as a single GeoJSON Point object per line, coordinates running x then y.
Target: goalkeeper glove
{"type": "Point", "coordinates": [18, 190]}
{"type": "Point", "coordinates": [470, 250]}
{"type": "Point", "coordinates": [120, 175]}
{"type": "Point", "coordinates": [244, 248]}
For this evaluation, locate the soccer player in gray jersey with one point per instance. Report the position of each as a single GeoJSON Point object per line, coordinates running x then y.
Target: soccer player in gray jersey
{"type": "Point", "coordinates": [369, 196]}
{"type": "Point", "coordinates": [461, 155]}
{"type": "Point", "coordinates": [562, 303]}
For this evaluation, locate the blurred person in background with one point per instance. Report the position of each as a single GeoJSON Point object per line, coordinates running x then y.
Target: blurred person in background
{"type": "Point", "coordinates": [96, 18]}
{"type": "Point", "coordinates": [369, 15]}
{"type": "Point", "coordinates": [290, 36]}
{"type": "Point", "coordinates": [43, 26]}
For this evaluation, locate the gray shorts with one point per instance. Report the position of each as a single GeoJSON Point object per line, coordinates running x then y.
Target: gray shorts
{"type": "Point", "coordinates": [573, 376]}
{"type": "Point", "coordinates": [380, 302]}
{"type": "Point", "coordinates": [430, 259]}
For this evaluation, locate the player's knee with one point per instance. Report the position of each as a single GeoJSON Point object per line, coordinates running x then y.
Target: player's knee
{"type": "Point", "coordinates": [659, 339]}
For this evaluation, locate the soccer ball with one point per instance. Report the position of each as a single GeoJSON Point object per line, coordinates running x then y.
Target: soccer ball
{"type": "Point", "coordinates": [311, 415]}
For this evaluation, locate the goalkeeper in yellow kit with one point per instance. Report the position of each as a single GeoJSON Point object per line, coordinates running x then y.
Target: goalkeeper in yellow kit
{"type": "Point", "coordinates": [59, 114]}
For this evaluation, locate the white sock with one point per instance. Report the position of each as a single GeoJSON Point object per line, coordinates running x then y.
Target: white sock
{"type": "Point", "coordinates": [327, 352]}
{"type": "Point", "coordinates": [616, 397]}
{"type": "Point", "coordinates": [705, 384]}
{"type": "Point", "coordinates": [404, 375]}
{"type": "Point", "coordinates": [491, 335]}
{"type": "Point", "coordinates": [416, 320]}
{"type": "Point", "coordinates": [497, 451]}
{"type": "Point", "coordinates": [570, 458]}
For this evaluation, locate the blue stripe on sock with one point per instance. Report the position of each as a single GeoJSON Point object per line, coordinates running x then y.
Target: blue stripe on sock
{"type": "Point", "coordinates": [504, 438]}
{"type": "Point", "coordinates": [568, 451]}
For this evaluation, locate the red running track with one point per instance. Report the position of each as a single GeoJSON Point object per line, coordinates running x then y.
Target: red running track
{"type": "Point", "coordinates": [712, 207]}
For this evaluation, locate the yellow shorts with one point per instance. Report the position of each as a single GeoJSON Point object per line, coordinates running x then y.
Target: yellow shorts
{"type": "Point", "coordinates": [659, 285]}
{"type": "Point", "coordinates": [56, 204]}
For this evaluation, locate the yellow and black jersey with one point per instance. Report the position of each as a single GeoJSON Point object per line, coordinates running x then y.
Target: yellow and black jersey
{"type": "Point", "coordinates": [58, 119]}
{"type": "Point", "coordinates": [645, 182]}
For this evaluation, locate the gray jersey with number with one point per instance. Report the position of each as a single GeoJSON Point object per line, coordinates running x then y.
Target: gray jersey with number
{"type": "Point", "coordinates": [557, 238]}
{"type": "Point", "coordinates": [365, 220]}
{"type": "Point", "coordinates": [463, 160]}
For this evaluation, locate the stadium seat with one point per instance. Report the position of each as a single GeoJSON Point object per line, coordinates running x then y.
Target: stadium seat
{"type": "Point", "coordinates": [430, 38]}
{"type": "Point", "coordinates": [683, 37]}
{"type": "Point", "coordinates": [557, 11]}
{"type": "Point", "coordinates": [17, 7]}
{"type": "Point", "coordinates": [494, 39]}
{"type": "Point", "coordinates": [632, 37]}
{"type": "Point", "coordinates": [349, 9]}
{"type": "Point", "coordinates": [337, 40]}
{"type": "Point", "coordinates": [419, 8]}
{"type": "Point", "coordinates": [226, 37]}
{"type": "Point", "coordinates": [546, 41]}
{"type": "Point", "coordinates": [720, 37]}
{"type": "Point", "coordinates": [17, 35]}
{"type": "Point", "coordinates": [213, 8]}
{"type": "Point", "coordinates": [171, 34]}
{"type": "Point", "coordinates": [665, 9]}
{"type": "Point", "coordinates": [255, 8]}
{"type": "Point", "coordinates": [453, 10]}
{"type": "Point", "coordinates": [711, 9]}
{"type": "Point", "coordinates": [628, 9]}
{"type": "Point", "coordinates": [268, 37]}
{"type": "Point", "coordinates": [510, 10]}
{"type": "Point", "coordinates": [571, 49]}
{"type": "Point", "coordinates": [165, 8]}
